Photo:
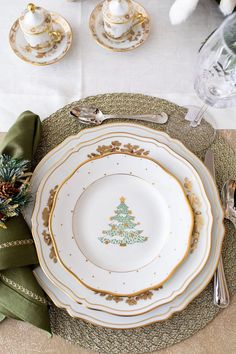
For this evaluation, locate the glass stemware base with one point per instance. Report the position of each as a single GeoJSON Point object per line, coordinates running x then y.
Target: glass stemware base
{"type": "Point", "coordinates": [196, 139]}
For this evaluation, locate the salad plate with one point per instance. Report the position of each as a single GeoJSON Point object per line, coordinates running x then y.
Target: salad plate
{"type": "Point", "coordinates": [79, 147]}
{"type": "Point", "coordinates": [141, 226]}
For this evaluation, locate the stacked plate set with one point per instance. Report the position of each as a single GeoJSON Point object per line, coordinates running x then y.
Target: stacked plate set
{"type": "Point", "coordinates": [126, 221]}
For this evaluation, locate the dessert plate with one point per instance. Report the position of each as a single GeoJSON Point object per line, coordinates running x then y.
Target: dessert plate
{"type": "Point", "coordinates": [137, 36]}
{"type": "Point", "coordinates": [196, 286]}
{"type": "Point", "coordinates": [47, 172]}
{"type": "Point", "coordinates": [94, 229]}
{"type": "Point", "coordinates": [23, 50]}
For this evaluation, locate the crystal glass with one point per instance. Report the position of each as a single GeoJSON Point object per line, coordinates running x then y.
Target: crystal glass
{"type": "Point", "coordinates": [215, 80]}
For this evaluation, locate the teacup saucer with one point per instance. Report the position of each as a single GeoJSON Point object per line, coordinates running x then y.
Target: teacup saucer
{"type": "Point", "coordinates": [134, 38]}
{"type": "Point", "coordinates": [23, 50]}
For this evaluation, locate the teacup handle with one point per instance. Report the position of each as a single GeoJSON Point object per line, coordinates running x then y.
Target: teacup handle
{"type": "Point", "coordinates": [139, 19]}
{"type": "Point", "coordinates": [56, 35]}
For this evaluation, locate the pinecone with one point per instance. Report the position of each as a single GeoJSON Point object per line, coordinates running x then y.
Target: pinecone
{"type": "Point", "coordinates": [7, 190]}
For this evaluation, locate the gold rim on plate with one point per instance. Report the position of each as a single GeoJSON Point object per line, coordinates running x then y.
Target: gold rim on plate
{"type": "Point", "coordinates": [82, 133]}
{"type": "Point", "coordinates": [194, 293]}
{"type": "Point", "coordinates": [101, 290]}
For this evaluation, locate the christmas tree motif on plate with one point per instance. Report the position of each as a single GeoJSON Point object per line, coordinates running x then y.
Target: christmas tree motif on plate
{"type": "Point", "coordinates": [123, 230]}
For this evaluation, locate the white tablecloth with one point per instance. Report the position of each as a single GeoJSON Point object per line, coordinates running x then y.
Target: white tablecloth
{"type": "Point", "coordinates": [163, 66]}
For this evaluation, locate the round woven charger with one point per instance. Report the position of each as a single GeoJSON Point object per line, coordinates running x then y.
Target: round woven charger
{"type": "Point", "coordinates": [201, 310]}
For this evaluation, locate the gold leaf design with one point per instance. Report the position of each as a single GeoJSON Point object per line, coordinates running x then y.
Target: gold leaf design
{"type": "Point", "coordinates": [133, 300]}
{"type": "Point", "coordinates": [114, 298]}
{"type": "Point", "coordinates": [45, 217]}
{"type": "Point", "coordinates": [117, 146]}
{"type": "Point", "coordinates": [47, 238]}
{"type": "Point", "coordinates": [53, 255]}
{"type": "Point", "coordinates": [198, 218]}
{"type": "Point", "coordinates": [47, 209]}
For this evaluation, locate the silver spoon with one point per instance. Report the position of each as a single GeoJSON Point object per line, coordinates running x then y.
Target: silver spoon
{"type": "Point", "coordinates": [93, 115]}
{"type": "Point", "coordinates": [221, 292]}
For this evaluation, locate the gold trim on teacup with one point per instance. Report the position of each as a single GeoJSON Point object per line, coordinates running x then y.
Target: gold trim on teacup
{"type": "Point", "coordinates": [127, 20]}
{"type": "Point", "coordinates": [146, 30]}
{"type": "Point", "coordinates": [123, 19]}
{"type": "Point", "coordinates": [46, 45]}
{"type": "Point", "coordinates": [67, 32]}
{"type": "Point", "coordinates": [140, 20]}
{"type": "Point", "coordinates": [47, 29]}
{"type": "Point", "coordinates": [48, 21]}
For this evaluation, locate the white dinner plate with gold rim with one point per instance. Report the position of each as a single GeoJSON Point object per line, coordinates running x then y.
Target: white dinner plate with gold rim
{"type": "Point", "coordinates": [121, 224]}
{"type": "Point", "coordinates": [23, 50]}
{"type": "Point", "coordinates": [196, 286]}
{"type": "Point", "coordinates": [110, 307]}
{"type": "Point", "coordinates": [137, 36]}
{"type": "Point", "coordinates": [54, 272]}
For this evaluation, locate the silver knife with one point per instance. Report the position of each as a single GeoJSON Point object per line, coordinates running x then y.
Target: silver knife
{"type": "Point", "coordinates": [221, 292]}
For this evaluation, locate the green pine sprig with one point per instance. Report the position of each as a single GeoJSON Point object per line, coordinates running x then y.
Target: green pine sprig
{"type": "Point", "coordinates": [14, 171]}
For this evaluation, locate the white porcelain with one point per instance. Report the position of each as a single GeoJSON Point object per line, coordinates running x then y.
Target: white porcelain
{"type": "Point", "coordinates": [118, 9]}
{"type": "Point", "coordinates": [37, 26]}
{"type": "Point", "coordinates": [25, 52]}
{"type": "Point", "coordinates": [118, 17]}
{"type": "Point", "coordinates": [131, 40]}
{"type": "Point", "coordinates": [121, 224]}
{"type": "Point", "coordinates": [47, 172]}
{"type": "Point", "coordinates": [196, 286]}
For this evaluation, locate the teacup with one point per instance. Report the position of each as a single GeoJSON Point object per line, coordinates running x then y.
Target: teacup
{"type": "Point", "coordinates": [37, 26]}
{"type": "Point", "coordinates": [120, 17]}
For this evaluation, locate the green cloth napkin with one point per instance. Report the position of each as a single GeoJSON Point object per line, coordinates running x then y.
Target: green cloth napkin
{"type": "Point", "coordinates": [20, 295]}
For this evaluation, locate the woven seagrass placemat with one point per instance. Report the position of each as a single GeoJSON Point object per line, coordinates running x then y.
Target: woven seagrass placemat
{"type": "Point", "coordinates": [201, 311]}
